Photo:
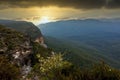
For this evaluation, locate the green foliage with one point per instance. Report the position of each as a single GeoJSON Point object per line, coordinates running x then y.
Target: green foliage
{"type": "Point", "coordinates": [104, 72]}
{"type": "Point", "coordinates": [69, 72]}
{"type": "Point", "coordinates": [10, 39]}
{"type": "Point", "coordinates": [52, 62]}
{"type": "Point", "coordinates": [8, 71]}
{"type": "Point", "coordinates": [38, 49]}
{"type": "Point", "coordinates": [55, 68]}
{"type": "Point", "coordinates": [47, 67]}
{"type": "Point", "coordinates": [97, 72]}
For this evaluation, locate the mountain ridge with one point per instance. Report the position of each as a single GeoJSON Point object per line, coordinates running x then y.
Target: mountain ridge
{"type": "Point", "coordinates": [27, 28]}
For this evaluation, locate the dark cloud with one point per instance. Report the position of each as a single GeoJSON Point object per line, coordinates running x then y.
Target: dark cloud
{"type": "Point", "coordinates": [82, 4]}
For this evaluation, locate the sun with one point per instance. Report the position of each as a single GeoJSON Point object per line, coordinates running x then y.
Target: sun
{"type": "Point", "coordinates": [44, 19]}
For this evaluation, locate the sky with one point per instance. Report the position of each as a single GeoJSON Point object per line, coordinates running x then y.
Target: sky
{"type": "Point", "coordinates": [43, 11]}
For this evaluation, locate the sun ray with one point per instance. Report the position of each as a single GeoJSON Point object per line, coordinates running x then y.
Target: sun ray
{"type": "Point", "coordinates": [44, 19]}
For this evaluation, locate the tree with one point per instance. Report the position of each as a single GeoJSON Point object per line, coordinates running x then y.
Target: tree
{"type": "Point", "coordinates": [46, 68]}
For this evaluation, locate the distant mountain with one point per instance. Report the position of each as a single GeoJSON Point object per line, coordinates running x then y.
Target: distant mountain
{"type": "Point", "coordinates": [79, 27]}
{"type": "Point", "coordinates": [27, 28]}
{"type": "Point", "coordinates": [100, 36]}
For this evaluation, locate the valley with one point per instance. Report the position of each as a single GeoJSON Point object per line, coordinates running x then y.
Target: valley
{"type": "Point", "coordinates": [98, 39]}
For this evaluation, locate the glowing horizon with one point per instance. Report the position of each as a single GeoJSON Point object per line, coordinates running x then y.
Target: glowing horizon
{"type": "Point", "coordinates": [47, 14]}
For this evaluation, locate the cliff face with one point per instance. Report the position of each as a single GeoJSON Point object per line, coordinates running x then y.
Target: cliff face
{"type": "Point", "coordinates": [17, 47]}
{"type": "Point", "coordinates": [27, 28]}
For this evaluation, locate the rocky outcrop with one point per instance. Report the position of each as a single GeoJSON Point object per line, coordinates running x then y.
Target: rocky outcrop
{"type": "Point", "coordinates": [17, 47]}
{"type": "Point", "coordinates": [16, 42]}
{"type": "Point", "coordinates": [41, 41]}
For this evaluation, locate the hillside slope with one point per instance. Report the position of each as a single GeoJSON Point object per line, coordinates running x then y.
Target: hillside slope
{"type": "Point", "coordinates": [101, 36]}
{"type": "Point", "coordinates": [27, 28]}
{"type": "Point", "coordinates": [79, 54]}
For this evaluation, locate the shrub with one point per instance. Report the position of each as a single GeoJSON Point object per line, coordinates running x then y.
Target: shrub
{"type": "Point", "coordinates": [8, 71]}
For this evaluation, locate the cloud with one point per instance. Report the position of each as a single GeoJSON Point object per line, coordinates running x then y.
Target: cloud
{"type": "Point", "coordinates": [80, 4]}
{"type": "Point", "coordinates": [34, 18]}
